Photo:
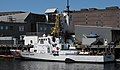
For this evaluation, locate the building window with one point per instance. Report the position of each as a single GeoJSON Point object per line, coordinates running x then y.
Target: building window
{"type": "Point", "coordinates": [118, 25]}
{"type": "Point", "coordinates": [97, 23]}
{"type": "Point", "coordinates": [41, 28]}
{"type": "Point", "coordinates": [6, 27]}
{"type": "Point", "coordinates": [117, 21]}
{"type": "Point", "coordinates": [45, 29]}
{"type": "Point", "coordinates": [1, 27]}
{"type": "Point", "coordinates": [21, 28]}
{"type": "Point", "coordinates": [11, 27]}
{"type": "Point", "coordinates": [117, 17]}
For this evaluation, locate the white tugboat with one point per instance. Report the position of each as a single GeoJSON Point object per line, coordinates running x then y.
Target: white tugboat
{"type": "Point", "coordinates": [56, 48]}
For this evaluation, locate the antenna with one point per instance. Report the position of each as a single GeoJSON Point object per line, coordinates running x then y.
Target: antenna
{"type": "Point", "coordinates": [68, 13]}
{"type": "Point", "coordinates": [68, 7]}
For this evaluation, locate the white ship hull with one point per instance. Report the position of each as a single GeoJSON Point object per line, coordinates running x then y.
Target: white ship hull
{"type": "Point", "coordinates": [59, 50]}
{"type": "Point", "coordinates": [69, 58]}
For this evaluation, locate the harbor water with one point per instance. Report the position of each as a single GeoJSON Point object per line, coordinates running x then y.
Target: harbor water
{"type": "Point", "coordinates": [39, 65]}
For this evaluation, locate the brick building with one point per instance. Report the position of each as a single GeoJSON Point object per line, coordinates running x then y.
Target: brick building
{"type": "Point", "coordinates": [109, 17]}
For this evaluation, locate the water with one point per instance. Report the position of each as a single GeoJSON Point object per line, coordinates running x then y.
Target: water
{"type": "Point", "coordinates": [38, 65]}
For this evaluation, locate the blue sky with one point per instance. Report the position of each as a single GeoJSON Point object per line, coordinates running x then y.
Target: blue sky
{"type": "Point", "coordinates": [39, 6]}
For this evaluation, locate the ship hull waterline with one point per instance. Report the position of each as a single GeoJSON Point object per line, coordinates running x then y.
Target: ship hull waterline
{"type": "Point", "coordinates": [69, 58]}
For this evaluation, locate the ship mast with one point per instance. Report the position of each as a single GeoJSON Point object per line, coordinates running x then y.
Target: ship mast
{"type": "Point", "coordinates": [68, 12]}
{"type": "Point", "coordinates": [68, 7]}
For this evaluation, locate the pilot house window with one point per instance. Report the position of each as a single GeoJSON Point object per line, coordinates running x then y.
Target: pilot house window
{"type": "Point", "coordinates": [21, 28]}
{"type": "Point", "coordinates": [35, 50]}
{"type": "Point", "coordinates": [41, 41]}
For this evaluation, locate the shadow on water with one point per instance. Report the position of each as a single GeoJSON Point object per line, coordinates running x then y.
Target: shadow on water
{"type": "Point", "coordinates": [38, 65]}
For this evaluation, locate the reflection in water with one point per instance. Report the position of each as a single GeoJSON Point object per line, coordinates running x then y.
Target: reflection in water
{"type": "Point", "coordinates": [38, 65]}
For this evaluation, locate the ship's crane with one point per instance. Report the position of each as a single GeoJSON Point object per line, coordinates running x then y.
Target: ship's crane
{"type": "Point", "coordinates": [57, 29]}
